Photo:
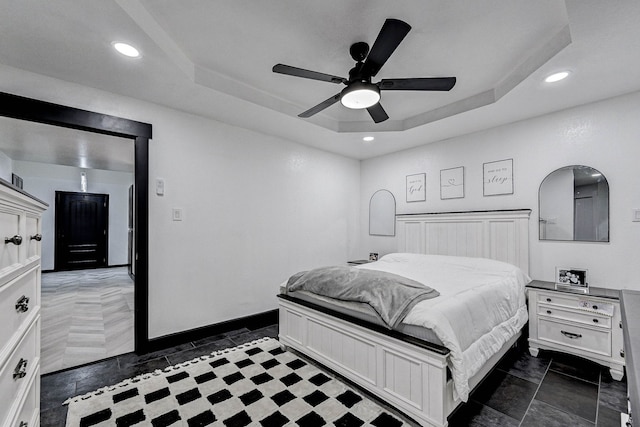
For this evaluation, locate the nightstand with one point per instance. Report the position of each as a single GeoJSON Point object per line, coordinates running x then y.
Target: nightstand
{"type": "Point", "coordinates": [587, 325]}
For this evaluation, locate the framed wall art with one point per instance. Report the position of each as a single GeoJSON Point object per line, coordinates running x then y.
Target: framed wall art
{"type": "Point", "coordinates": [452, 183]}
{"type": "Point", "coordinates": [416, 187]}
{"type": "Point", "coordinates": [572, 278]}
{"type": "Point", "coordinates": [498, 178]}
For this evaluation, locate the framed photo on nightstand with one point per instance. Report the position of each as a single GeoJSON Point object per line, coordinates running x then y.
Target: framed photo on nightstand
{"type": "Point", "coordinates": [572, 278]}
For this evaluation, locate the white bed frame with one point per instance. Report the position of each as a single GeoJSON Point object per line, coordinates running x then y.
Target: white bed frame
{"type": "Point", "coordinates": [407, 376]}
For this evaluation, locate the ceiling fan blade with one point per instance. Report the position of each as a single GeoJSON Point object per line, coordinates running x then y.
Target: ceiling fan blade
{"type": "Point", "coordinates": [392, 33]}
{"type": "Point", "coordinates": [424, 83]}
{"type": "Point", "coordinates": [377, 113]}
{"type": "Point", "coordinates": [324, 104]}
{"type": "Point", "coordinates": [307, 74]}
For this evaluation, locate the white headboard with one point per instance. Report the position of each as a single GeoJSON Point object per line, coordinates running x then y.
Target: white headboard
{"type": "Point", "coordinates": [499, 235]}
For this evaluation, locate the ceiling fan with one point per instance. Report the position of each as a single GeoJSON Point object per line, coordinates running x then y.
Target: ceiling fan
{"type": "Point", "coordinates": [360, 93]}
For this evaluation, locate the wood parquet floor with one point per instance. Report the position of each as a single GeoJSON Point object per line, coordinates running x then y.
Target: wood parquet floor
{"type": "Point", "coordinates": [87, 315]}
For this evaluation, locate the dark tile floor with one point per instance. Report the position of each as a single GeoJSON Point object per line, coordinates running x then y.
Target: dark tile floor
{"type": "Point", "coordinates": [551, 390]}
{"type": "Point", "coordinates": [554, 389]}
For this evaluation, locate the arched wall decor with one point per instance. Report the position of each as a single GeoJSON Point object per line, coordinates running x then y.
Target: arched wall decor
{"type": "Point", "coordinates": [382, 214]}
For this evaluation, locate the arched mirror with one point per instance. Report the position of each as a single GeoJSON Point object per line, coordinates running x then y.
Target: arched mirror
{"type": "Point", "coordinates": [382, 214]}
{"type": "Point", "coordinates": [574, 205]}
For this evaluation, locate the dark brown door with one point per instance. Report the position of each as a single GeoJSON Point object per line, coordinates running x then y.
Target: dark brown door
{"type": "Point", "coordinates": [82, 224]}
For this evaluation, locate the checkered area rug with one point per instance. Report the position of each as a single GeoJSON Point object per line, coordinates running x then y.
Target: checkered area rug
{"type": "Point", "coordinates": [256, 384]}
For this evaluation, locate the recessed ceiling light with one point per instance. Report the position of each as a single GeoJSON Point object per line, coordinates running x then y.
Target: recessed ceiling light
{"type": "Point", "coordinates": [556, 77]}
{"type": "Point", "coordinates": [368, 138]}
{"type": "Point", "coordinates": [126, 49]}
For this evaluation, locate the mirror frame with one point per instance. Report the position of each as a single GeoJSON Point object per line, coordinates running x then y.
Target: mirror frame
{"type": "Point", "coordinates": [34, 110]}
{"type": "Point", "coordinates": [608, 208]}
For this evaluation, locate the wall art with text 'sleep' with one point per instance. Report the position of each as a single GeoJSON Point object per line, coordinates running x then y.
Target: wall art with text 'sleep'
{"type": "Point", "coordinates": [452, 183]}
{"type": "Point", "coordinates": [416, 187]}
{"type": "Point", "coordinates": [498, 178]}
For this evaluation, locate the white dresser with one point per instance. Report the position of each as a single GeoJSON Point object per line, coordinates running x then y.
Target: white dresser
{"type": "Point", "coordinates": [20, 232]}
{"type": "Point", "coordinates": [586, 325]}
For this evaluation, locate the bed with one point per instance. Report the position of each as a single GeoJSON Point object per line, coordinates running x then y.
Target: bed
{"type": "Point", "coordinates": [418, 374]}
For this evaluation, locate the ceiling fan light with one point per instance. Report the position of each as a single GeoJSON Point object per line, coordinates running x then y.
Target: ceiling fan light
{"type": "Point", "coordinates": [359, 95]}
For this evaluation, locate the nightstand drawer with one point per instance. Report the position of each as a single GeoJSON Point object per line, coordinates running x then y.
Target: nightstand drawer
{"type": "Point", "coordinates": [575, 316]}
{"type": "Point", "coordinates": [558, 298]}
{"type": "Point", "coordinates": [576, 301]}
{"type": "Point", "coordinates": [593, 340]}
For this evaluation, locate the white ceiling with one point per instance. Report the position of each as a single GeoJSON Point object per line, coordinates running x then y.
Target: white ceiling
{"type": "Point", "coordinates": [214, 58]}
{"type": "Point", "coordinates": [42, 143]}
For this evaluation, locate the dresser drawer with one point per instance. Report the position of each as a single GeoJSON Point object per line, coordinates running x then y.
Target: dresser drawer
{"type": "Point", "coordinates": [9, 227]}
{"type": "Point", "coordinates": [32, 239]}
{"type": "Point", "coordinates": [14, 307]}
{"type": "Point", "coordinates": [574, 316]}
{"type": "Point", "coordinates": [14, 374]}
{"type": "Point", "coordinates": [28, 413]}
{"type": "Point", "coordinates": [593, 340]}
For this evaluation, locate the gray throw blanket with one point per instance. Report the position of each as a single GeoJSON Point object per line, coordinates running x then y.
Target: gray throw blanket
{"type": "Point", "coordinates": [391, 296]}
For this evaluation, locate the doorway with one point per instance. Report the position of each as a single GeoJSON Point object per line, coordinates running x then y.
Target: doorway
{"type": "Point", "coordinates": [33, 110]}
{"type": "Point", "coordinates": [81, 230]}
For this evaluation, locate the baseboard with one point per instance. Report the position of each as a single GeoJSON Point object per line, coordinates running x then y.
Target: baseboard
{"type": "Point", "coordinates": [255, 321]}
{"type": "Point", "coordinates": [108, 266]}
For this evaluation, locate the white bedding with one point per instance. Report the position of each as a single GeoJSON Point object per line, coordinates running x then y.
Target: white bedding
{"type": "Point", "coordinates": [481, 305]}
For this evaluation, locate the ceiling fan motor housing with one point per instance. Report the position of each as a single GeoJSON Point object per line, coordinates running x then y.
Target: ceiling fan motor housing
{"type": "Point", "coordinates": [359, 51]}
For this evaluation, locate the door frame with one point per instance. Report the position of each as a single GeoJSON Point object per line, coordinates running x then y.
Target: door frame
{"type": "Point", "coordinates": [140, 133]}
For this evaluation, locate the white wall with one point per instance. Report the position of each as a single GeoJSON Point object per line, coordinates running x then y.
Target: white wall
{"type": "Point", "coordinates": [6, 167]}
{"type": "Point", "coordinates": [602, 135]}
{"type": "Point", "coordinates": [256, 208]}
{"type": "Point", "coordinates": [43, 180]}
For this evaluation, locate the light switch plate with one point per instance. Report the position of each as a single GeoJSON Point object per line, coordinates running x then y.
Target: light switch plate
{"type": "Point", "coordinates": [159, 186]}
{"type": "Point", "coordinates": [176, 214]}
{"type": "Point", "coordinates": [636, 215]}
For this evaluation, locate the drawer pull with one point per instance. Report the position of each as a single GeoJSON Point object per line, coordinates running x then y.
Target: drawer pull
{"type": "Point", "coordinates": [571, 335]}
{"type": "Point", "coordinates": [23, 424]}
{"type": "Point", "coordinates": [36, 237]}
{"type": "Point", "coordinates": [548, 311]}
{"type": "Point", "coordinates": [548, 299]}
{"type": "Point", "coordinates": [16, 240]}
{"type": "Point", "coordinates": [595, 320]}
{"type": "Point", "coordinates": [595, 307]}
{"type": "Point", "coordinates": [622, 353]}
{"type": "Point", "coordinates": [21, 369]}
{"type": "Point", "coordinates": [22, 305]}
